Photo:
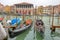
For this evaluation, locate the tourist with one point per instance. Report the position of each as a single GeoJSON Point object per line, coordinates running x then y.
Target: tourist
{"type": "Point", "coordinates": [3, 33]}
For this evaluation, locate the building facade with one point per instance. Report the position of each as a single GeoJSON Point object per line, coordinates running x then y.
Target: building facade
{"type": "Point", "coordinates": [39, 10]}
{"type": "Point", "coordinates": [57, 9]}
{"type": "Point", "coordinates": [7, 9]}
{"type": "Point", "coordinates": [12, 8]}
{"type": "Point", "coordinates": [47, 10]}
{"type": "Point", "coordinates": [24, 8]}
{"type": "Point", "coordinates": [1, 7]}
{"type": "Point", "coordinates": [51, 9]}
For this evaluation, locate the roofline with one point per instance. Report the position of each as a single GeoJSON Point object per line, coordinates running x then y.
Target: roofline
{"type": "Point", "coordinates": [23, 3]}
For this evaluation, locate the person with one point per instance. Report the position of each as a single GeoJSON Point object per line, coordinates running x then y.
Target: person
{"type": "Point", "coordinates": [8, 22]}
{"type": "Point", "coordinates": [39, 22]}
{"type": "Point", "coordinates": [3, 33]}
{"type": "Point", "coordinates": [52, 30]}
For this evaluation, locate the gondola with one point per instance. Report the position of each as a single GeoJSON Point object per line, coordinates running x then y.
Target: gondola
{"type": "Point", "coordinates": [15, 32]}
{"type": "Point", "coordinates": [38, 23]}
{"type": "Point", "coordinates": [40, 27]}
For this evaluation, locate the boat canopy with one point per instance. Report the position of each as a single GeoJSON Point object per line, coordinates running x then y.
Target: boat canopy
{"type": "Point", "coordinates": [28, 21]}
{"type": "Point", "coordinates": [16, 21]}
{"type": "Point", "coordinates": [1, 19]}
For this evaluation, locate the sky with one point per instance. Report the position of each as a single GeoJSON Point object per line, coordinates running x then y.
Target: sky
{"type": "Point", "coordinates": [35, 2]}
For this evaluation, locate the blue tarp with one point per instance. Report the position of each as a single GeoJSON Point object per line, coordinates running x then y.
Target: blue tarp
{"type": "Point", "coordinates": [16, 21]}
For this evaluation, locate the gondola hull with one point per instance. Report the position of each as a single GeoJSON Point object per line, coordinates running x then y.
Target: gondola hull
{"type": "Point", "coordinates": [17, 32]}
{"type": "Point", "coordinates": [40, 27]}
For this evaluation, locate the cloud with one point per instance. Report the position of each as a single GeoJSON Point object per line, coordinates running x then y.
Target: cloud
{"type": "Point", "coordinates": [35, 2]}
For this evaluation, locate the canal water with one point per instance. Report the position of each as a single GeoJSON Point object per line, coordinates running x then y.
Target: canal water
{"type": "Point", "coordinates": [32, 34]}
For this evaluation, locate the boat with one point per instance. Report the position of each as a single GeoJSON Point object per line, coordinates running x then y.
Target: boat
{"type": "Point", "coordinates": [18, 30]}
{"type": "Point", "coordinates": [40, 27]}
{"type": "Point", "coordinates": [16, 21]}
{"type": "Point", "coordinates": [39, 23]}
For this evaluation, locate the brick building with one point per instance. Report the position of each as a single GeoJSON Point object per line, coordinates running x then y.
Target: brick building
{"type": "Point", "coordinates": [57, 9]}
{"type": "Point", "coordinates": [40, 10]}
{"type": "Point", "coordinates": [49, 9]}
{"type": "Point", "coordinates": [24, 8]}
{"type": "Point", "coordinates": [1, 7]}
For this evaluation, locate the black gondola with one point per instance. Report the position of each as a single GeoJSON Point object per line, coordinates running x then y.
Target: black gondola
{"type": "Point", "coordinates": [40, 27]}
{"type": "Point", "coordinates": [15, 32]}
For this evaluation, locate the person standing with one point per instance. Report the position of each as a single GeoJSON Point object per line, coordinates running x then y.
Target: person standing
{"type": "Point", "coordinates": [3, 33]}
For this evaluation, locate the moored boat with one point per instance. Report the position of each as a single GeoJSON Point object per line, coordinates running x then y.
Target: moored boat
{"type": "Point", "coordinates": [40, 27]}
{"type": "Point", "coordinates": [20, 29]}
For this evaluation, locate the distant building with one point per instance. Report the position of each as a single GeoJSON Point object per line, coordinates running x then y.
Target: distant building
{"type": "Point", "coordinates": [47, 10]}
{"type": "Point", "coordinates": [24, 8]}
{"type": "Point", "coordinates": [39, 10]}
{"type": "Point", "coordinates": [1, 7]}
{"type": "Point", "coordinates": [28, 9]}
{"type": "Point", "coordinates": [12, 8]}
{"type": "Point", "coordinates": [52, 9]}
{"type": "Point", "coordinates": [57, 9]}
{"type": "Point", "coordinates": [7, 9]}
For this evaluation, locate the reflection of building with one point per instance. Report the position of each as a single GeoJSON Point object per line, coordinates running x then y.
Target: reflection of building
{"type": "Point", "coordinates": [1, 8]}
{"type": "Point", "coordinates": [24, 8]}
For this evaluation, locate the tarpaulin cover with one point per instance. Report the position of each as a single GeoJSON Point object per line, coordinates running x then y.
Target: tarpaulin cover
{"type": "Point", "coordinates": [1, 19]}
{"type": "Point", "coordinates": [16, 21]}
{"type": "Point", "coordinates": [29, 21]}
